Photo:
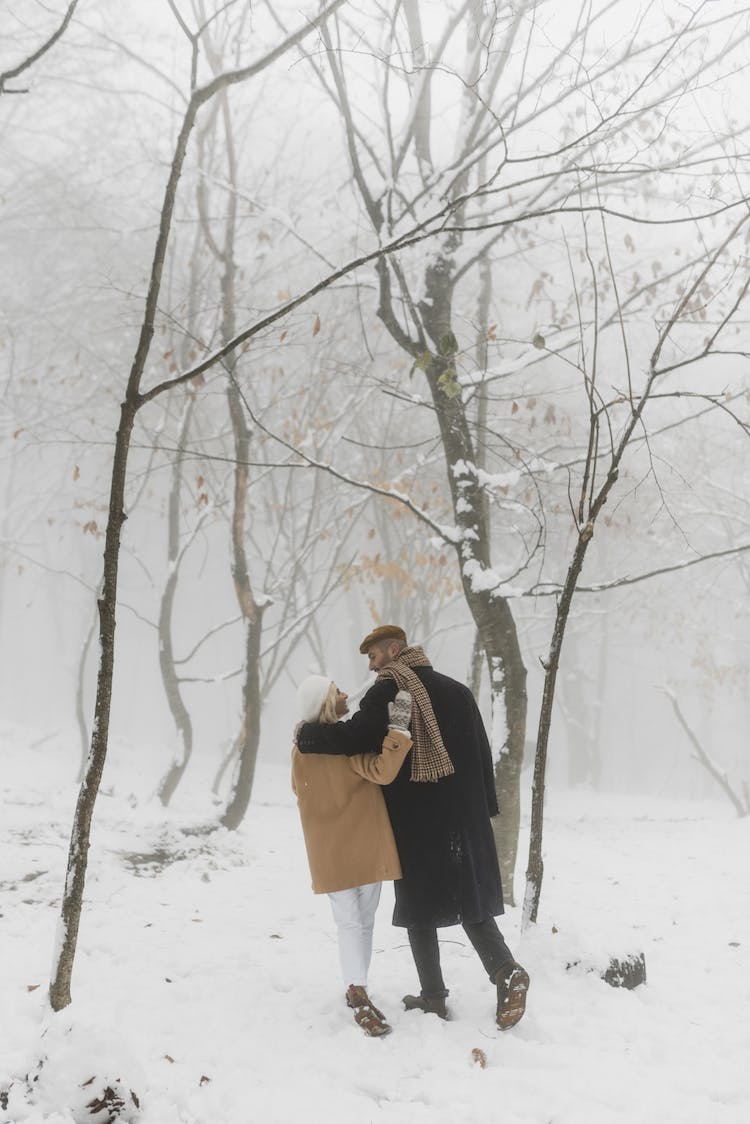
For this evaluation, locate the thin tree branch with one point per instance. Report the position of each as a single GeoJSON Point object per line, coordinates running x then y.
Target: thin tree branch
{"type": "Point", "coordinates": [547, 589]}
{"type": "Point", "coordinates": [9, 75]}
{"type": "Point", "coordinates": [445, 533]}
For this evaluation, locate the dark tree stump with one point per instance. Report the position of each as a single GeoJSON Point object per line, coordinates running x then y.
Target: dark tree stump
{"type": "Point", "coordinates": [627, 971]}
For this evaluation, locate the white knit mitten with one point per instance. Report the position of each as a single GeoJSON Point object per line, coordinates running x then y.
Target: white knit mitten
{"type": "Point", "coordinates": [399, 712]}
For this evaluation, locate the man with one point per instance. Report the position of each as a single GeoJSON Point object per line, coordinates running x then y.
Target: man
{"type": "Point", "coordinates": [440, 806]}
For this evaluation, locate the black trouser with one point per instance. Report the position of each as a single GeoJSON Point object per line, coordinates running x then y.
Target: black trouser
{"type": "Point", "coordinates": [484, 935]}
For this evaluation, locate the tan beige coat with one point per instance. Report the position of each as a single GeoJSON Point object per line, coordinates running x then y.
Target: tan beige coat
{"type": "Point", "coordinates": [347, 832]}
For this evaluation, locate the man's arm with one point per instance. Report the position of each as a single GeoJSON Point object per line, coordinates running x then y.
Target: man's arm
{"type": "Point", "coordinates": [363, 733]}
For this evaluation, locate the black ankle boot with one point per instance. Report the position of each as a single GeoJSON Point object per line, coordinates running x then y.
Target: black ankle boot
{"type": "Point", "coordinates": [431, 1006]}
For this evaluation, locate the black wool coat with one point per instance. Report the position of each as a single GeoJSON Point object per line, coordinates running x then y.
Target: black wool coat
{"type": "Point", "coordinates": [442, 828]}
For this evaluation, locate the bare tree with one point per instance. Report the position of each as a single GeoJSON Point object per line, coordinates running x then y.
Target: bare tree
{"type": "Point", "coordinates": [136, 398]}
{"type": "Point", "coordinates": [133, 401]}
{"type": "Point", "coordinates": [613, 424]}
{"type": "Point", "coordinates": [457, 114]}
{"type": "Point", "coordinates": [426, 331]}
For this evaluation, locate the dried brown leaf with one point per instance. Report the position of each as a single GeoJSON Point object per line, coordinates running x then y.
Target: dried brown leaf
{"type": "Point", "coordinates": [479, 1057]}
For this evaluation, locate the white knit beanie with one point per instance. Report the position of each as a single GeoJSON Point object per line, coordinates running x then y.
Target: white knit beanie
{"type": "Point", "coordinates": [311, 694]}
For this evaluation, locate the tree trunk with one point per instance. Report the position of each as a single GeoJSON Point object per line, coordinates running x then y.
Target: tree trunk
{"type": "Point", "coordinates": [171, 681]}
{"type": "Point", "coordinates": [421, 89]}
{"type": "Point", "coordinates": [535, 869]}
{"type": "Point", "coordinates": [75, 878]}
{"type": "Point", "coordinates": [249, 737]}
{"type": "Point", "coordinates": [497, 628]}
{"type": "Point", "coordinates": [475, 665]}
{"type": "Point", "coordinates": [170, 678]}
{"type": "Point", "coordinates": [491, 613]}
{"type": "Point", "coordinates": [67, 937]}
{"type": "Point", "coordinates": [80, 697]}
{"type": "Point", "coordinates": [432, 317]}
{"type": "Point", "coordinates": [177, 707]}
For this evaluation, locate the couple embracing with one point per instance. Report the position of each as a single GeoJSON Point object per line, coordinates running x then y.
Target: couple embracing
{"type": "Point", "coordinates": [379, 801]}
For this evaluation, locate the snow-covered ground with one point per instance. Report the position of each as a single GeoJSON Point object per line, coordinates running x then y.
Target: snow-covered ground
{"type": "Point", "coordinates": [207, 974]}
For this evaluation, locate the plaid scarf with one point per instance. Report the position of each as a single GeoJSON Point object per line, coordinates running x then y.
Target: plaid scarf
{"type": "Point", "coordinates": [429, 757]}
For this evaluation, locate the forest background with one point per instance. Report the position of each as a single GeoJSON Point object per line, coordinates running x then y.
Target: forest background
{"type": "Point", "coordinates": [548, 205]}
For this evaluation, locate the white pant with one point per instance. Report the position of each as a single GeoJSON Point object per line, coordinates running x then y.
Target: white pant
{"type": "Point", "coordinates": [354, 914]}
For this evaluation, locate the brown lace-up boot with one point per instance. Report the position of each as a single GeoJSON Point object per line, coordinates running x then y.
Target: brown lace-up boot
{"type": "Point", "coordinates": [512, 985]}
{"type": "Point", "coordinates": [366, 1014]}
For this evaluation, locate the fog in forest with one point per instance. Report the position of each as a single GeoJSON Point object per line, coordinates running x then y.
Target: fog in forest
{"type": "Point", "coordinates": [420, 441]}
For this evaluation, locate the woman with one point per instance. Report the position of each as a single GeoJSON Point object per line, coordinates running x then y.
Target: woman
{"type": "Point", "coordinates": [348, 836]}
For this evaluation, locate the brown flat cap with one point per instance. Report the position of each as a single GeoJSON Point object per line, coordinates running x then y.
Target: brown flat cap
{"type": "Point", "coordinates": [384, 632]}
